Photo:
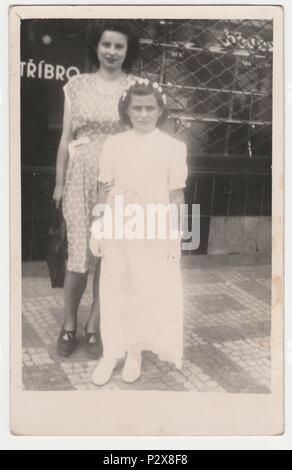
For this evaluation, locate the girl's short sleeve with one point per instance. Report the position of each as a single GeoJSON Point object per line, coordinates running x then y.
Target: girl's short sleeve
{"type": "Point", "coordinates": [106, 162]}
{"type": "Point", "coordinates": [178, 170]}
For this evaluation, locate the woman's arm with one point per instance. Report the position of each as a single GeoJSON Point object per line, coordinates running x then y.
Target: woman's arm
{"type": "Point", "coordinates": [177, 197]}
{"type": "Point", "coordinates": [102, 193]}
{"type": "Point", "coordinates": [97, 226]}
{"type": "Point", "coordinates": [101, 198]}
{"type": "Point", "coordinates": [62, 155]}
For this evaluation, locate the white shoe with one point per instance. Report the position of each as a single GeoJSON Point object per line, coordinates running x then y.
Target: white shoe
{"type": "Point", "coordinates": [103, 372]}
{"type": "Point", "coordinates": [132, 368]}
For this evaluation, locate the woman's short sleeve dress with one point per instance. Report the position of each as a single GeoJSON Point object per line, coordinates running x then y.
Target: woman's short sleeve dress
{"type": "Point", "coordinates": [93, 106]}
{"type": "Point", "coordinates": [140, 284]}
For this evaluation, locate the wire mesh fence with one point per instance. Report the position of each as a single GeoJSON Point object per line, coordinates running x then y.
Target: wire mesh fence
{"type": "Point", "coordinates": [218, 78]}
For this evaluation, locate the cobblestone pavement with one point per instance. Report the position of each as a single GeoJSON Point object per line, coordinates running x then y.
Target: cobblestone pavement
{"type": "Point", "coordinates": [226, 336]}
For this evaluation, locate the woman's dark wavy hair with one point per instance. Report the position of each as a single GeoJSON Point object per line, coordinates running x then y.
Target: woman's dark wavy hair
{"type": "Point", "coordinates": [141, 90]}
{"type": "Point", "coordinates": [97, 27]}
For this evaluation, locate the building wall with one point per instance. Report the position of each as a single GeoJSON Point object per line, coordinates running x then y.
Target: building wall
{"type": "Point", "coordinates": [233, 235]}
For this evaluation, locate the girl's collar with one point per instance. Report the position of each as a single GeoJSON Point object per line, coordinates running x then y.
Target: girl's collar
{"type": "Point", "coordinates": [150, 134]}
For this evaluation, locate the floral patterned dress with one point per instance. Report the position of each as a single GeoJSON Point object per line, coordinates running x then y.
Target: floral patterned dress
{"type": "Point", "coordinates": [93, 105]}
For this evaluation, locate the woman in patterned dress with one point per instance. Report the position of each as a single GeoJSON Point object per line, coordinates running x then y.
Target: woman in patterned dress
{"type": "Point", "coordinates": [90, 116]}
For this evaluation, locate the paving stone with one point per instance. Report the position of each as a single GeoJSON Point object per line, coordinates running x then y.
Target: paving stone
{"type": "Point", "coordinates": [227, 374]}
{"type": "Point", "coordinates": [201, 277]}
{"type": "Point", "coordinates": [234, 333]}
{"type": "Point", "coordinates": [212, 384]}
{"type": "Point", "coordinates": [189, 386]}
{"type": "Point", "coordinates": [30, 338]}
{"type": "Point", "coordinates": [46, 377]}
{"type": "Point", "coordinates": [217, 303]}
{"type": "Point", "coordinates": [257, 290]}
{"type": "Point", "coordinates": [226, 337]}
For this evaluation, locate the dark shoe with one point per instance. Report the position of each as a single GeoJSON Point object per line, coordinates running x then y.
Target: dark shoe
{"type": "Point", "coordinates": [66, 343]}
{"type": "Point", "coordinates": [93, 344]}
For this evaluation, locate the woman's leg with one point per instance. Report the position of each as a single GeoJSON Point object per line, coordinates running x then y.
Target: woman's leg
{"type": "Point", "coordinates": [92, 329]}
{"type": "Point", "coordinates": [103, 372]}
{"type": "Point", "coordinates": [74, 287]}
{"type": "Point", "coordinates": [94, 317]}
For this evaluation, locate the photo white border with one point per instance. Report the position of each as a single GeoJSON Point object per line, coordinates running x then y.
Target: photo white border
{"type": "Point", "coordinates": [277, 365]}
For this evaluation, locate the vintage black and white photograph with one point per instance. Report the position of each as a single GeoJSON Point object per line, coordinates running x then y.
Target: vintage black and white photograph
{"type": "Point", "coordinates": [121, 118]}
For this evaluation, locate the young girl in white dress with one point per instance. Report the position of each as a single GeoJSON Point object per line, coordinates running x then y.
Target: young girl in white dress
{"type": "Point", "coordinates": [140, 283]}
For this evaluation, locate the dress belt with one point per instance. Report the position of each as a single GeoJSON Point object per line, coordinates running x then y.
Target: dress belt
{"type": "Point", "coordinates": [72, 151]}
{"type": "Point", "coordinates": [75, 143]}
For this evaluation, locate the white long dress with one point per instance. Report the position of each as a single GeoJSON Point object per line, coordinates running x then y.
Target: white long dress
{"type": "Point", "coordinates": [140, 284]}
